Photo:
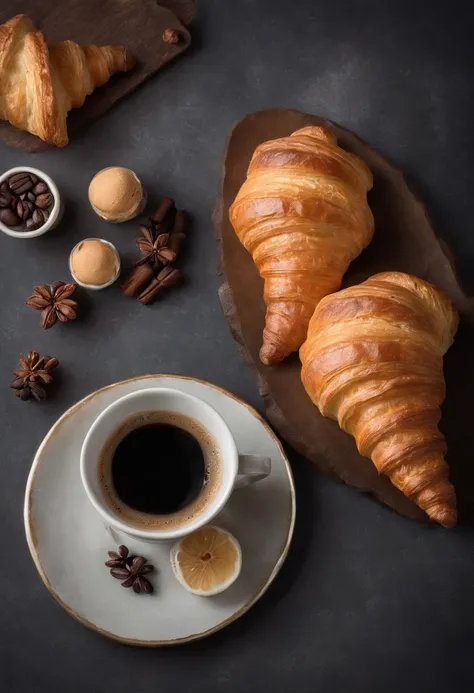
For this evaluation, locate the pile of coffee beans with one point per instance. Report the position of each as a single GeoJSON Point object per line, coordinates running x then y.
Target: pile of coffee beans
{"type": "Point", "coordinates": [25, 202]}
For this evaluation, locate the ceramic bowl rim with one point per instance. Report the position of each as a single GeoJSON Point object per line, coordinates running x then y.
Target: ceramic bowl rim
{"type": "Point", "coordinates": [53, 217]}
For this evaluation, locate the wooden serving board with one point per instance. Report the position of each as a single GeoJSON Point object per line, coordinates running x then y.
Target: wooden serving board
{"type": "Point", "coordinates": [404, 240]}
{"type": "Point", "coordinates": [136, 24]}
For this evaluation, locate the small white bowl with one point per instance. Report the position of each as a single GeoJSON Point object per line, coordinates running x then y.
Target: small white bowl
{"type": "Point", "coordinates": [96, 287]}
{"type": "Point", "coordinates": [55, 214]}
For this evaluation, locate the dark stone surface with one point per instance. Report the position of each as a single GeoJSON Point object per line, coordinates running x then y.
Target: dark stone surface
{"type": "Point", "coordinates": [367, 601]}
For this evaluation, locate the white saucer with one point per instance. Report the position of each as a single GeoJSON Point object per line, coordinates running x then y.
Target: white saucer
{"type": "Point", "coordinates": [61, 525]}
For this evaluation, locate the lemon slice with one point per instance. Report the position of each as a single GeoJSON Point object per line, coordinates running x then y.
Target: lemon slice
{"type": "Point", "coordinates": [207, 561]}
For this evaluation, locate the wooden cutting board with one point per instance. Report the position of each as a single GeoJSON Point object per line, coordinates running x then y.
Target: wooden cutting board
{"type": "Point", "coordinates": [136, 24]}
{"type": "Point", "coordinates": [404, 240]}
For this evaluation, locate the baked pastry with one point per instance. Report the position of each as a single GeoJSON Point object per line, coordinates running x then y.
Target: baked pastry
{"type": "Point", "coordinates": [303, 215]}
{"type": "Point", "coordinates": [373, 360]}
{"type": "Point", "coordinates": [39, 83]}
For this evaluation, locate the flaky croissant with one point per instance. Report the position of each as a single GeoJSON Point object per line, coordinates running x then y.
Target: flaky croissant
{"type": "Point", "coordinates": [39, 84]}
{"type": "Point", "coordinates": [303, 215]}
{"type": "Point", "coordinates": [373, 360]}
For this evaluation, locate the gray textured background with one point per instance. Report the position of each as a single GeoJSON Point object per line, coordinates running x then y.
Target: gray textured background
{"type": "Point", "coordinates": [367, 601]}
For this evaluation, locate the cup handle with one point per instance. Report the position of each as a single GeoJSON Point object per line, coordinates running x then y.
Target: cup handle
{"type": "Point", "coordinates": [252, 468]}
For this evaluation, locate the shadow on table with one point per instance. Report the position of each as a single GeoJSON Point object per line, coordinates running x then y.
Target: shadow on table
{"type": "Point", "coordinates": [457, 418]}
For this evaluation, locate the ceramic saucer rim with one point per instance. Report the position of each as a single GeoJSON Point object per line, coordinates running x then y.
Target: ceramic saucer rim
{"type": "Point", "coordinates": [32, 542]}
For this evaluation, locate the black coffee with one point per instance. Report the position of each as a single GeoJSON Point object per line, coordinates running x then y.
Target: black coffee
{"type": "Point", "coordinates": [158, 468]}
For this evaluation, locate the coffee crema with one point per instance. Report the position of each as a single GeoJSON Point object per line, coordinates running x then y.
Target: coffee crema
{"type": "Point", "coordinates": [159, 470]}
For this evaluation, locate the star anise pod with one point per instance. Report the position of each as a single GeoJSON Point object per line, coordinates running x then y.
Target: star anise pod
{"type": "Point", "coordinates": [154, 249]}
{"type": "Point", "coordinates": [34, 372]}
{"type": "Point", "coordinates": [132, 571]}
{"type": "Point", "coordinates": [120, 558]}
{"type": "Point", "coordinates": [54, 302]}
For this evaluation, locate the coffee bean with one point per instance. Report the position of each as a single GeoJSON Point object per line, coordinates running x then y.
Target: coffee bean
{"type": "Point", "coordinates": [18, 178]}
{"type": "Point", "coordinates": [40, 188]}
{"type": "Point", "coordinates": [44, 201]}
{"type": "Point", "coordinates": [27, 209]}
{"type": "Point", "coordinates": [5, 199]}
{"type": "Point", "coordinates": [20, 183]}
{"type": "Point", "coordinates": [24, 209]}
{"type": "Point", "coordinates": [8, 217]}
{"type": "Point", "coordinates": [32, 225]}
{"type": "Point", "coordinates": [25, 198]}
{"type": "Point", "coordinates": [39, 216]}
{"type": "Point", "coordinates": [22, 188]}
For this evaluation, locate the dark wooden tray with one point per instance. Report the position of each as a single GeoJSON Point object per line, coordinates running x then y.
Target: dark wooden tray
{"type": "Point", "coordinates": [404, 240]}
{"type": "Point", "coordinates": [136, 24]}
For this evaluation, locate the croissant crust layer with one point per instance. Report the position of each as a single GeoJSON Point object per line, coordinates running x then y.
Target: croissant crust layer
{"type": "Point", "coordinates": [40, 83]}
{"type": "Point", "coordinates": [303, 215]}
{"type": "Point", "coordinates": [373, 360]}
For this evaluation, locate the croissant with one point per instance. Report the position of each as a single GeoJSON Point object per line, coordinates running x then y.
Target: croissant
{"type": "Point", "coordinates": [39, 84]}
{"type": "Point", "coordinates": [303, 215]}
{"type": "Point", "coordinates": [373, 360]}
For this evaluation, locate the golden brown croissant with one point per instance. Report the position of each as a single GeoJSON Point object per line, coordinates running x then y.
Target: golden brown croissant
{"type": "Point", "coordinates": [303, 215]}
{"type": "Point", "coordinates": [39, 84]}
{"type": "Point", "coordinates": [373, 360]}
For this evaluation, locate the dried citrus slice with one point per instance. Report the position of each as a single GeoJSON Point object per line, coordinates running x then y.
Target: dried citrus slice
{"type": "Point", "coordinates": [207, 561]}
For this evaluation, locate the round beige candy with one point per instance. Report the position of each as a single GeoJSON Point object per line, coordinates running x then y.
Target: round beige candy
{"type": "Point", "coordinates": [116, 194]}
{"type": "Point", "coordinates": [94, 263]}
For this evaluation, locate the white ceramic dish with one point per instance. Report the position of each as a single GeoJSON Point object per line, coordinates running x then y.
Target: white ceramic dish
{"type": "Point", "coordinates": [56, 213]}
{"type": "Point", "coordinates": [96, 287]}
{"type": "Point", "coordinates": [60, 521]}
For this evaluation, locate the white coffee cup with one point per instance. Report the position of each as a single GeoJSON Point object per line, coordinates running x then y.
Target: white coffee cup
{"type": "Point", "coordinates": [236, 470]}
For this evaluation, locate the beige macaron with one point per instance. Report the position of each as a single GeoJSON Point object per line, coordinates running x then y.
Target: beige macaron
{"type": "Point", "coordinates": [117, 194]}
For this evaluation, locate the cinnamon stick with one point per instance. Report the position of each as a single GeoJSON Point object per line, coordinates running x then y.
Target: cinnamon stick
{"type": "Point", "coordinates": [139, 278]}
{"type": "Point", "coordinates": [167, 278]}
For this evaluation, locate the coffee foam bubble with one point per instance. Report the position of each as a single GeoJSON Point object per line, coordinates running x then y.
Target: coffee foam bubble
{"type": "Point", "coordinates": [212, 473]}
